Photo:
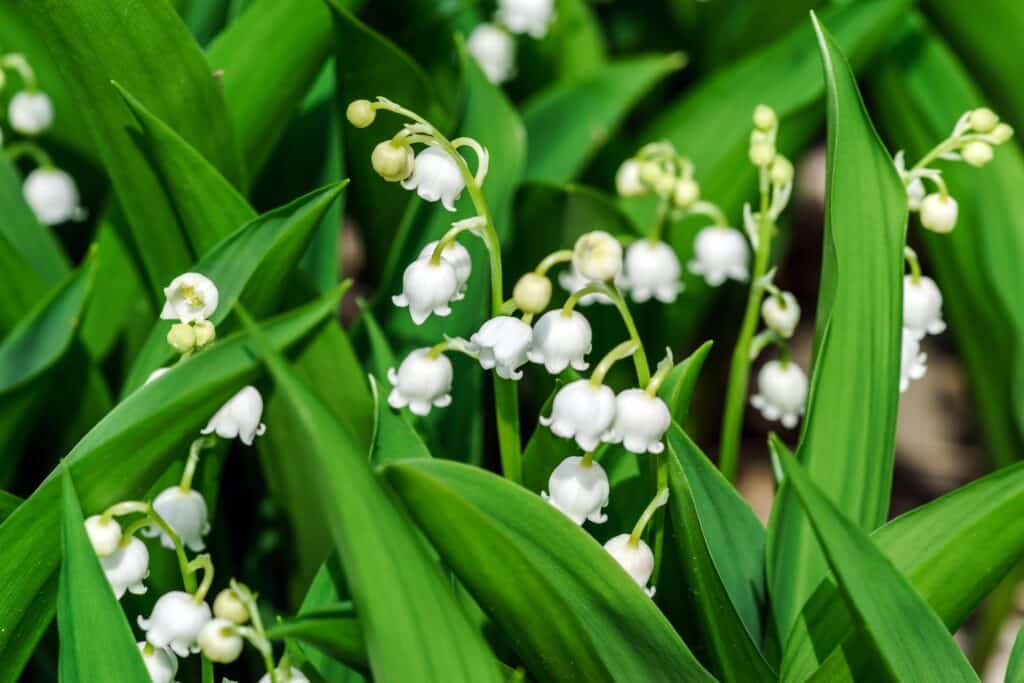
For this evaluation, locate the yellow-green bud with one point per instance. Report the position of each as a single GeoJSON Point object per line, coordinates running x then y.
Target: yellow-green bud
{"type": "Point", "coordinates": [650, 173]}
{"type": "Point", "coordinates": [182, 337]}
{"type": "Point", "coordinates": [532, 293]}
{"type": "Point", "coordinates": [686, 192]}
{"type": "Point", "coordinates": [228, 606]}
{"type": "Point", "coordinates": [1002, 133]}
{"type": "Point", "coordinates": [205, 333]}
{"type": "Point", "coordinates": [761, 152]}
{"type": "Point", "coordinates": [360, 113]}
{"type": "Point", "coordinates": [983, 119]}
{"type": "Point", "coordinates": [764, 117]}
{"type": "Point", "coordinates": [393, 162]}
{"type": "Point", "coordinates": [782, 170]}
{"type": "Point", "coordinates": [977, 153]}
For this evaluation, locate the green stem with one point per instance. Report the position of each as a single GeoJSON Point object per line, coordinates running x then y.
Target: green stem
{"type": "Point", "coordinates": [553, 259]}
{"type": "Point", "coordinates": [660, 220]}
{"type": "Point", "coordinates": [739, 370]}
{"type": "Point", "coordinates": [660, 465]}
{"type": "Point", "coordinates": [26, 148]}
{"type": "Point", "coordinates": [626, 348]}
{"type": "Point", "coordinates": [193, 460]}
{"type": "Point", "coordinates": [188, 579]}
{"type": "Point", "coordinates": [638, 530]}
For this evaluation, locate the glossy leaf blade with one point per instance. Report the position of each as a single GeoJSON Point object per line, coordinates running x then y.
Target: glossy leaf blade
{"type": "Point", "coordinates": [1015, 667]}
{"type": "Point", "coordinates": [572, 613]}
{"type": "Point", "coordinates": [334, 630]}
{"type": "Point", "coordinates": [35, 243]}
{"type": "Point", "coordinates": [854, 379]}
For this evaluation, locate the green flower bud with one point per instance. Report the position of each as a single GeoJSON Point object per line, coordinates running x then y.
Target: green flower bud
{"type": "Point", "coordinates": [686, 192]}
{"type": "Point", "coordinates": [205, 333]}
{"type": "Point", "coordinates": [360, 113]}
{"type": "Point", "coordinates": [228, 606]}
{"type": "Point", "coordinates": [182, 337]}
{"type": "Point", "coordinates": [393, 162]}
{"type": "Point", "coordinates": [983, 119]}
{"type": "Point", "coordinates": [765, 118]}
{"type": "Point", "coordinates": [782, 170]}
{"type": "Point", "coordinates": [532, 293]}
{"type": "Point", "coordinates": [1002, 133]}
{"type": "Point", "coordinates": [977, 153]}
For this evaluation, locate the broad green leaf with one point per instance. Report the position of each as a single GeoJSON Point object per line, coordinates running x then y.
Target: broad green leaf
{"type": "Point", "coordinates": [977, 265]}
{"type": "Point", "coordinates": [570, 610]}
{"type": "Point", "coordinates": [906, 633]}
{"type": "Point", "coordinates": [8, 504]}
{"type": "Point", "coordinates": [854, 378]}
{"type": "Point", "coordinates": [566, 123]}
{"type": "Point", "coordinates": [577, 39]}
{"type": "Point", "coordinates": [251, 265]}
{"type": "Point", "coordinates": [720, 546]}
{"type": "Point", "coordinates": [269, 57]}
{"type": "Point", "coordinates": [24, 286]}
{"type": "Point", "coordinates": [208, 206]}
{"type": "Point", "coordinates": [334, 630]}
{"type": "Point", "coordinates": [393, 437]}
{"type": "Point", "coordinates": [413, 626]}
{"type": "Point", "coordinates": [953, 551]}
{"type": "Point", "coordinates": [152, 425]}
{"type": "Point", "coordinates": [677, 389]}
{"type": "Point", "coordinates": [145, 48]}
{"type": "Point", "coordinates": [1015, 667]}
{"type": "Point", "coordinates": [96, 642]}
{"type": "Point", "coordinates": [35, 243]}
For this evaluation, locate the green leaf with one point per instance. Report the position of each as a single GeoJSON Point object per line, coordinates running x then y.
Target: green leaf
{"type": "Point", "coordinates": [333, 630]}
{"type": "Point", "coordinates": [720, 545]}
{"type": "Point", "coordinates": [567, 123]}
{"type": "Point", "coordinates": [152, 425]}
{"type": "Point", "coordinates": [96, 642]}
{"type": "Point", "coordinates": [393, 437]}
{"type": "Point", "coordinates": [1015, 668]}
{"type": "Point", "coordinates": [570, 610]}
{"type": "Point", "coordinates": [145, 48]}
{"type": "Point", "coordinates": [35, 243]}
{"type": "Point", "coordinates": [907, 635]}
{"type": "Point", "coordinates": [413, 626]}
{"type": "Point", "coordinates": [269, 58]}
{"type": "Point", "coordinates": [251, 265]}
{"type": "Point", "coordinates": [855, 373]}
{"type": "Point", "coordinates": [8, 504]}
{"type": "Point", "coordinates": [954, 551]}
{"type": "Point", "coordinates": [677, 389]}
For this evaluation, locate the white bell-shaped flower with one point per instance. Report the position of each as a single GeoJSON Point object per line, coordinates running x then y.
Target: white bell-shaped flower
{"type": "Point", "coordinates": [240, 417]}
{"type": "Point", "coordinates": [494, 50]}
{"type": "Point", "coordinates": [436, 176]}
{"type": "Point", "coordinates": [572, 282]}
{"type": "Point", "coordinates": [637, 560]}
{"type": "Point", "coordinates": [583, 412]}
{"type": "Point", "coordinates": [191, 297]}
{"type": "Point", "coordinates": [428, 287]}
{"type": "Point", "coordinates": [219, 641]}
{"type": "Point", "coordinates": [781, 317]}
{"type": "Point", "coordinates": [781, 392]}
{"type": "Point", "coordinates": [292, 675]}
{"type": "Point", "coordinates": [185, 512]}
{"type": "Point", "coordinates": [627, 179]}
{"type": "Point", "coordinates": [640, 422]}
{"type": "Point", "coordinates": [421, 382]}
{"type": "Point", "coordinates": [52, 195]}
{"type": "Point", "coordinates": [30, 112]}
{"type": "Point", "coordinates": [652, 269]}
{"type": "Point", "coordinates": [161, 664]}
{"type": "Point", "coordinates": [175, 622]}
{"type": "Point", "coordinates": [579, 491]}
{"type": "Point", "coordinates": [503, 342]}
{"type": "Point", "coordinates": [526, 16]}
{"type": "Point", "coordinates": [939, 213]}
{"type": "Point", "coordinates": [720, 253]}
{"type": "Point", "coordinates": [922, 306]}
{"type": "Point", "coordinates": [458, 257]}
{"type": "Point", "coordinates": [597, 256]}
{"type": "Point", "coordinates": [913, 362]}
{"type": "Point", "coordinates": [104, 534]}
{"type": "Point", "coordinates": [561, 340]}
{"type": "Point", "coordinates": [127, 567]}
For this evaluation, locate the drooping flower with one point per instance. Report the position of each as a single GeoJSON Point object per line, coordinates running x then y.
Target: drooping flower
{"type": "Point", "coordinates": [421, 382]}
{"type": "Point", "coordinates": [185, 512]}
{"type": "Point", "coordinates": [781, 317]}
{"type": "Point", "coordinates": [52, 195]}
{"type": "Point", "coordinates": [720, 253]}
{"type": "Point", "coordinates": [503, 342]}
{"type": "Point", "coordinates": [640, 422]}
{"type": "Point", "coordinates": [30, 112]}
{"type": "Point", "coordinates": [227, 606]}
{"type": "Point", "coordinates": [104, 534]}
{"type": "Point", "coordinates": [913, 362]}
{"type": "Point", "coordinates": [922, 306]}
{"type": "Point", "coordinates": [127, 567]}
{"type": "Point", "coordinates": [461, 262]}
{"type": "Point", "coordinates": [191, 297]}
{"type": "Point", "coordinates": [494, 50]}
{"type": "Point", "coordinates": [578, 490]}
{"type": "Point", "coordinates": [582, 411]}
{"type": "Point", "coordinates": [532, 293]}
{"type": "Point", "coordinates": [627, 179]}
{"type": "Point", "coordinates": [428, 287]}
{"type": "Point", "coordinates": [597, 256]}
{"type": "Point", "coordinates": [561, 340]}
{"type": "Point", "coordinates": [436, 176]}
{"type": "Point", "coordinates": [637, 559]}
{"type": "Point", "coordinates": [526, 16]}
{"type": "Point", "coordinates": [652, 269]}
{"type": "Point", "coordinates": [219, 641]}
{"type": "Point", "coordinates": [781, 392]}
{"type": "Point", "coordinates": [175, 622]}
{"type": "Point", "coordinates": [939, 213]}
{"type": "Point", "coordinates": [393, 161]}
{"type": "Point", "coordinates": [161, 664]}
{"type": "Point", "coordinates": [572, 282]}
{"type": "Point", "coordinates": [240, 417]}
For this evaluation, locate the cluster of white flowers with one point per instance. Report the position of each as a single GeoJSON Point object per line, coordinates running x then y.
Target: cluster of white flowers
{"type": "Point", "coordinates": [191, 299]}
{"type": "Point", "coordinates": [781, 384]}
{"type": "Point", "coordinates": [493, 46]}
{"type": "Point", "coordinates": [50, 192]}
{"type": "Point", "coordinates": [922, 315]}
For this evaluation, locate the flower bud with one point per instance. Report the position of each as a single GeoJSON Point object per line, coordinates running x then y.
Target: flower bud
{"type": "Point", "coordinates": [532, 293]}
{"type": "Point", "coordinates": [228, 606]}
{"type": "Point", "coordinates": [983, 119]}
{"type": "Point", "coordinates": [781, 171]}
{"type": "Point", "coordinates": [360, 113]}
{"type": "Point", "coordinates": [977, 153]}
{"type": "Point", "coordinates": [289, 675]}
{"type": "Point", "coordinates": [392, 162]}
{"type": "Point", "coordinates": [205, 333]}
{"type": "Point", "coordinates": [762, 152]}
{"type": "Point", "coordinates": [686, 192]}
{"type": "Point", "coordinates": [104, 534]}
{"type": "Point", "coordinates": [650, 173]}
{"type": "Point", "coordinates": [52, 195]}
{"type": "Point", "coordinates": [627, 179]}
{"type": "Point", "coordinates": [219, 641]}
{"type": "Point", "coordinates": [781, 392]}
{"type": "Point", "coordinates": [182, 337]}
{"type": "Point", "coordinates": [783, 316]}
{"type": "Point", "coordinates": [765, 118]}
{"type": "Point", "coordinates": [30, 112]}
{"type": "Point", "coordinates": [597, 256]}
{"type": "Point", "coordinates": [1002, 133]}
{"type": "Point", "coordinates": [939, 213]}
{"type": "Point", "coordinates": [637, 559]}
